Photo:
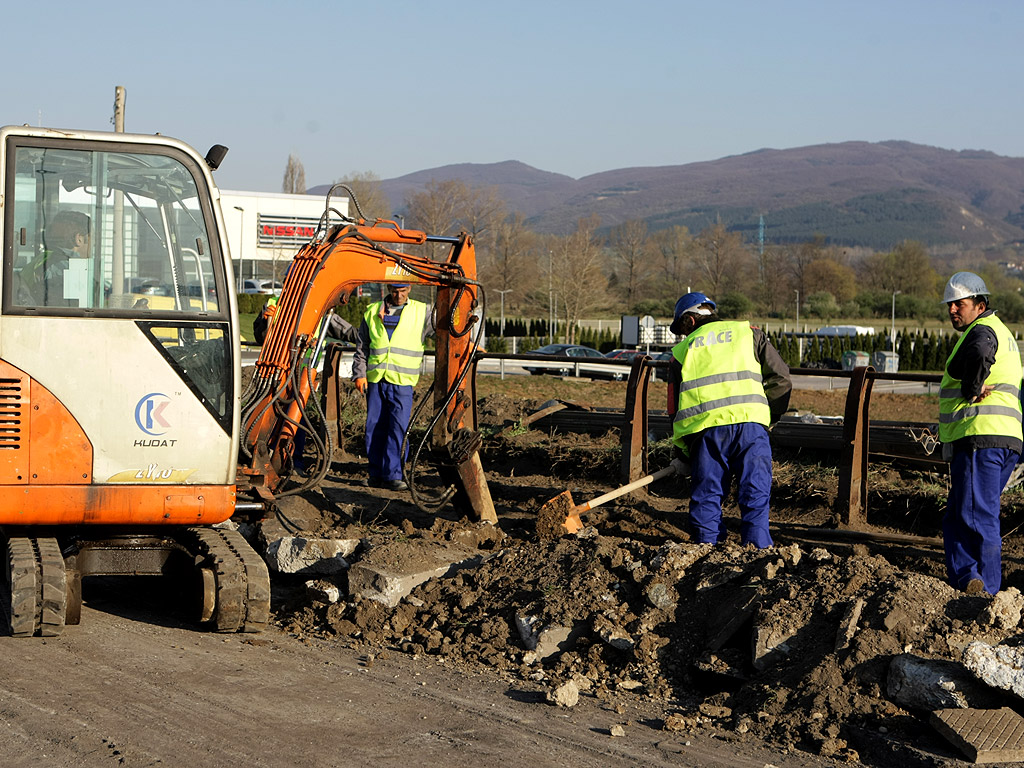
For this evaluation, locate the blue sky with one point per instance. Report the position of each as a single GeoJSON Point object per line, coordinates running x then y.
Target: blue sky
{"type": "Point", "coordinates": [572, 86]}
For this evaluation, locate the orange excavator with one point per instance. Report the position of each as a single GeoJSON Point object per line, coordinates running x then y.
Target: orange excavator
{"type": "Point", "coordinates": [125, 438]}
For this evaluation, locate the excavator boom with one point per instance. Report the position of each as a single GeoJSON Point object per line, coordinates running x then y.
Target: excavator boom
{"type": "Point", "coordinates": [325, 272]}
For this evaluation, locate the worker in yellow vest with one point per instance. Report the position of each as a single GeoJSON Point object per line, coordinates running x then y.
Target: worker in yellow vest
{"type": "Point", "coordinates": [386, 367]}
{"type": "Point", "coordinates": [980, 430]}
{"type": "Point", "coordinates": [727, 385]}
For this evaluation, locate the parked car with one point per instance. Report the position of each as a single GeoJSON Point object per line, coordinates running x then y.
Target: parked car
{"type": "Point", "coordinates": [845, 330]}
{"type": "Point", "coordinates": [564, 368]}
{"type": "Point", "coordinates": [624, 354]}
{"type": "Point", "coordinates": [270, 287]}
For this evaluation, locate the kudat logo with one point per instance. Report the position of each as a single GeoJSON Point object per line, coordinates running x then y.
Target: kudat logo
{"type": "Point", "coordinates": [149, 413]}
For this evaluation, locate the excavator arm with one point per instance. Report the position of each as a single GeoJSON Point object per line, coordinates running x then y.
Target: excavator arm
{"type": "Point", "coordinates": [325, 272]}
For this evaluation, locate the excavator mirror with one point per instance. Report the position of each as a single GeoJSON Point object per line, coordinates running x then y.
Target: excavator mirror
{"type": "Point", "coordinates": [216, 156]}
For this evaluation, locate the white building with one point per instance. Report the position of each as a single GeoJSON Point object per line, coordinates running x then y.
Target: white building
{"type": "Point", "coordinates": [265, 229]}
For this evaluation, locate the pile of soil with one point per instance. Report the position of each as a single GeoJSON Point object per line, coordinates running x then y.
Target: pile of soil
{"type": "Point", "coordinates": [756, 644]}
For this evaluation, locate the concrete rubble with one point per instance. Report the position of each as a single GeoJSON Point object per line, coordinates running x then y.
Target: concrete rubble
{"type": "Point", "coordinates": [298, 554]}
{"type": "Point", "coordinates": [388, 572]}
{"type": "Point", "coordinates": [999, 666]}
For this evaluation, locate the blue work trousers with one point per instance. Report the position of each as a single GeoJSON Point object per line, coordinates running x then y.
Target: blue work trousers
{"type": "Point", "coordinates": [717, 455]}
{"type": "Point", "coordinates": [388, 408]}
{"type": "Point", "coordinates": [970, 529]}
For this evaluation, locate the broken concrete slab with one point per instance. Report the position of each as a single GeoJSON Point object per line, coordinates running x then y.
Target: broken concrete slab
{"type": "Point", "coordinates": [997, 665]}
{"type": "Point", "coordinates": [389, 571]}
{"type": "Point", "coordinates": [298, 554]}
{"type": "Point", "coordinates": [984, 735]}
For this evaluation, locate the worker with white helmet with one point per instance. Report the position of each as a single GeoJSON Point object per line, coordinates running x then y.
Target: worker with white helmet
{"type": "Point", "coordinates": [980, 429]}
{"type": "Point", "coordinates": [727, 385]}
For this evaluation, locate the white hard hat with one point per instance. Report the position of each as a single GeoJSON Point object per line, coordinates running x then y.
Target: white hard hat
{"type": "Point", "coordinates": [962, 285]}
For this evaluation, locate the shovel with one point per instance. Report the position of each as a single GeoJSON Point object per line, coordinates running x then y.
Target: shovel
{"type": "Point", "coordinates": [560, 512]}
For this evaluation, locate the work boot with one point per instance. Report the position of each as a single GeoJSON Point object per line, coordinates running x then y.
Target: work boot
{"type": "Point", "coordinates": [394, 485]}
{"type": "Point", "coordinates": [975, 587]}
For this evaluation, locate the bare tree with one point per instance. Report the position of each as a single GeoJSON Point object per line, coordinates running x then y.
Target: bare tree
{"type": "Point", "coordinates": [512, 260]}
{"type": "Point", "coordinates": [800, 257]}
{"type": "Point", "coordinates": [675, 246]}
{"type": "Point", "coordinates": [577, 279]}
{"type": "Point", "coordinates": [294, 177]}
{"type": "Point", "coordinates": [630, 250]}
{"type": "Point", "coordinates": [720, 258]}
{"type": "Point", "coordinates": [366, 188]}
{"type": "Point", "coordinates": [774, 288]}
{"type": "Point", "coordinates": [438, 209]}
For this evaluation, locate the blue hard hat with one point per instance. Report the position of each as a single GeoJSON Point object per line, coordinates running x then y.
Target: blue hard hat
{"type": "Point", "coordinates": [398, 285]}
{"type": "Point", "coordinates": [688, 303]}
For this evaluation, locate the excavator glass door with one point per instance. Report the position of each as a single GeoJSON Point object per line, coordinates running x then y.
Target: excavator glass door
{"type": "Point", "coordinates": [118, 231]}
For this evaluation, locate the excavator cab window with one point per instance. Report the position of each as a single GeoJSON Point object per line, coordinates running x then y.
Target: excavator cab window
{"type": "Point", "coordinates": [117, 232]}
{"type": "Point", "coordinates": [126, 232]}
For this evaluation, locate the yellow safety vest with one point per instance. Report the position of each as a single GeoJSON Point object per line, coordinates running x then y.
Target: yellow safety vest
{"type": "Point", "coordinates": [398, 359]}
{"type": "Point", "coordinates": [999, 413]}
{"type": "Point", "coordinates": [721, 380]}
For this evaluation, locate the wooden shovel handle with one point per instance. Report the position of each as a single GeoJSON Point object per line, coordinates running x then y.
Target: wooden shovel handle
{"type": "Point", "coordinates": [588, 505]}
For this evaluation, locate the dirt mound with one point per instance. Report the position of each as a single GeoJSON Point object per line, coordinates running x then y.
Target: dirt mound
{"type": "Point", "coordinates": [791, 645]}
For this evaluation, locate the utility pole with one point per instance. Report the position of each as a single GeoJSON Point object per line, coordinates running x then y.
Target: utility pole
{"type": "Point", "coordinates": [117, 268]}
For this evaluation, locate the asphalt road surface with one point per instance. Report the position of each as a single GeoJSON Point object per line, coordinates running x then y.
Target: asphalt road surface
{"type": "Point", "coordinates": [132, 686]}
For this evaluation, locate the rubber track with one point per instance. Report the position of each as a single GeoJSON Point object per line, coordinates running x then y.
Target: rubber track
{"type": "Point", "coordinates": [243, 581]}
{"type": "Point", "coordinates": [38, 585]}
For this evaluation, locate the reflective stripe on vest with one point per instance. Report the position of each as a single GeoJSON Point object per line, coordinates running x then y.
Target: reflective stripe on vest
{"type": "Point", "coordinates": [999, 413]}
{"type": "Point", "coordinates": [721, 380]}
{"type": "Point", "coordinates": [398, 359]}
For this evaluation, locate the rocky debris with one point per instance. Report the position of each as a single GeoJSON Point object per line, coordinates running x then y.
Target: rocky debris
{"type": "Point", "coordinates": [1004, 611]}
{"type": "Point", "coordinates": [389, 571]}
{"type": "Point", "coordinates": [998, 666]}
{"type": "Point", "coordinates": [928, 684]}
{"type": "Point", "coordinates": [298, 554]}
{"type": "Point", "coordinates": [848, 623]}
{"type": "Point", "coordinates": [542, 641]}
{"type": "Point", "coordinates": [566, 695]}
{"type": "Point", "coordinates": [320, 591]}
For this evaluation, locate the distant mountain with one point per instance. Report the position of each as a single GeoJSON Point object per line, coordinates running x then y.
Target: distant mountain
{"type": "Point", "coordinates": [855, 193]}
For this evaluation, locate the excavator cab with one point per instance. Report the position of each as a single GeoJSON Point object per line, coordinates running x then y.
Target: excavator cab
{"type": "Point", "coordinates": [118, 368]}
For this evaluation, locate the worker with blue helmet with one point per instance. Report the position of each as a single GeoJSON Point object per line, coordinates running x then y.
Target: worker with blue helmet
{"type": "Point", "coordinates": [727, 385]}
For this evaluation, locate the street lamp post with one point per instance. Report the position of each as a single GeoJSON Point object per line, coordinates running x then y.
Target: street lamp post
{"type": "Point", "coordinates": [892, 340]}
{"type": "Point", "coordinates": [241, 236]}
{"type": "Point", "coordinates": [502, 323]}
{"type": "Point", "coordinates": [797, 310]}
{"type": "Point", "coordinates": [551, 311]}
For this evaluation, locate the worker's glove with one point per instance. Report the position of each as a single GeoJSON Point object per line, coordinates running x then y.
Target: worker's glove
{"type": "Point", "coordinates": [681, 466]}
{"type": "Point", "coordinates": [361, 385]}
{"type": "Point", "coordinates": [269, 310]}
